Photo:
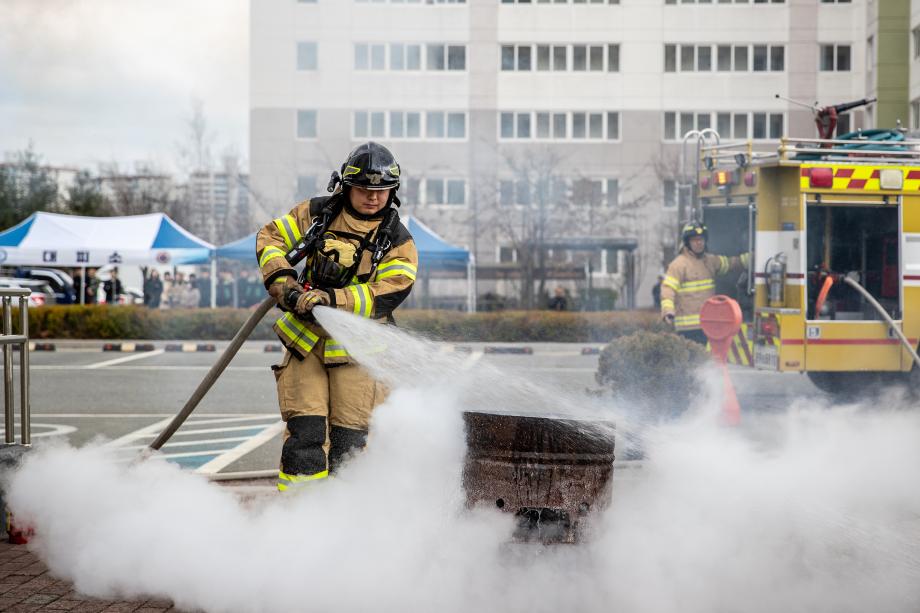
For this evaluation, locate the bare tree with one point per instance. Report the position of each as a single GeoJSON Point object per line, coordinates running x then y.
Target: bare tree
{"type": "Point", "coordinates": [542, 203]}
{"type": "Point", "coordinates": [198, 139]}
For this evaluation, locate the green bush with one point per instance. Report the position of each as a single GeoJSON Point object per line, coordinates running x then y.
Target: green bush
{"type": "Point", "coordinates": [137, 322]}
{"type": "Point", "coordinates": [655, 373]}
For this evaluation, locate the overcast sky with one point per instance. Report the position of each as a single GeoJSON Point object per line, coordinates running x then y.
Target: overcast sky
{"type": "Point", "coordinates": [91, 81]}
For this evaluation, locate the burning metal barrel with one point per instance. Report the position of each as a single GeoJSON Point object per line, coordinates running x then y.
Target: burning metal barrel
{"type": "Point", "coordinates": [552, 474]}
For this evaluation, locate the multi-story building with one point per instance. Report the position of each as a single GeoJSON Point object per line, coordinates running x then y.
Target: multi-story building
{"type": "Point", "coordinates": [555, 119]}
{"type": "Point", "coordinates": [219, 206]}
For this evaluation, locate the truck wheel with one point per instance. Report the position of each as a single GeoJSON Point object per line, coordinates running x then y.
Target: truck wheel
{"type": "Point", "coordinates": [846, 384]}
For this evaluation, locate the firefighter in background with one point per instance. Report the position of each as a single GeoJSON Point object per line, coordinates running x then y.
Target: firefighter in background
{"type": "Point", "coordinates": [690, 281]}
{"type": "Point", "coordinates": [365, 263]}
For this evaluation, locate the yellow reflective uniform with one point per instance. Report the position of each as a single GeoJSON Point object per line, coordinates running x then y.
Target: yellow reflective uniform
{"type": "Point", "coordinates": [325, 399]}
{"type": "Point", "coordinates": [690, 282]}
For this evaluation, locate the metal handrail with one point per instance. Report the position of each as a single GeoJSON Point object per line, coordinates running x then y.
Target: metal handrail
{"type": "Point", "coordinates": [9, 340]}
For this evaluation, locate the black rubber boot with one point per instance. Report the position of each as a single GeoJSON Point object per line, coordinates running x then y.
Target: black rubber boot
{"type": "Point", "coordinates": [343, 441]}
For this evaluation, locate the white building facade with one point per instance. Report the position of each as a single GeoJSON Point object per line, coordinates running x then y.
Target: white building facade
{"type": "Point", "coordinates": [480, 99]}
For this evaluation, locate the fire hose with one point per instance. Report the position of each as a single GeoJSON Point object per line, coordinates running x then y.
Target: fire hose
{"type": "Point", "coordinates": [881, 310]}
{"type": "Point", "coordinates": [241, 335]}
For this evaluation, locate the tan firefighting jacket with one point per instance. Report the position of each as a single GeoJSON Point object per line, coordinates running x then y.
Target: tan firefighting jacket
{"type": "Point", "coordinates": [370, 293]}
{"type": "Point", "coordinates": [690, 282]}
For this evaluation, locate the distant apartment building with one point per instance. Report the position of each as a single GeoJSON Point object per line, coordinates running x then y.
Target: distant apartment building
{"type": "Point", "coordinates": [492, 105]}
{"type": "Point", "coordinates": [219, 206]}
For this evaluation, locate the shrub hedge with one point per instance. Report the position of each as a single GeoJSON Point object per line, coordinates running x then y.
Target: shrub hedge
{"type": "Point", "coordinates": [654, 372]}
{"type": "Point", "coordinates": [131, 322]}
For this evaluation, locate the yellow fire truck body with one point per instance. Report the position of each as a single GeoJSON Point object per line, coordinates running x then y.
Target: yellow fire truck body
{"type": "Point", "coordinates": [811, 214]}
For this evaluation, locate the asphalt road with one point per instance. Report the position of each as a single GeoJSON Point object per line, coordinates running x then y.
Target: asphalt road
{"type": "Point", "coordinates": [82, 393]}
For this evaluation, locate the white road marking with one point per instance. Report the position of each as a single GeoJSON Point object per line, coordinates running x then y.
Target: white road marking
{"type": "Point", "coordinates": [223, 420]}
{"type": "Point", "coordinates": [151, 430]}
{"type": "Point", "coordinates": [54, 430]}
{"type": "Point", "coordinates": [271, 426]}
{"type": "Point", "coordinates": [237, 439]}
{"type": "Point", "coordinates": [98, 415]}
{"type": "Point", "coordinates": [148, 368]}
{"type": "Point", "coordinates": [127, 358]}
{"type": "Point", "coordinates": [224, 460]}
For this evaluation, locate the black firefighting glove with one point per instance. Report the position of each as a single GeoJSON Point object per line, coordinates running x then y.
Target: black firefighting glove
{"type": "Point", "coordinates": [280, 288]}
{"type": "Point", "coordinates": [309, 299]}
{"type": "Point", "coordinates": [668, 318]}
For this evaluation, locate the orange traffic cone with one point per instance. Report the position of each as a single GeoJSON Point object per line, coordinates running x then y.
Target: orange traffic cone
{"type": "Point", "coordinates": [720, 319]}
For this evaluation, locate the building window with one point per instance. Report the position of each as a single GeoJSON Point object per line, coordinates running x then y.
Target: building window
{"type": "Point", "coordinates": [405, 124]}
{"type": "Point", "coordinates": [405, 56]}
{"type": "Point", "coordinates": [560, 1]}
{"type": "Point", "coordinates": [456, 57]}
{"type": "Point", "coordinates": [560, 125]}
{"type": "Point", "coordinates": [456, 191]}
{"type": "Point", "coordinates": [728, 125]}
{"type": "Point", "coordinates": [613, 58]}
{"type": "Point", "coordinates": [612, 261]}
{"type": "Point", "coordinates": [370, 56]}
{"type": "Point", "coordinates": [306, 187]}
{"type": "Point", "coordinates": [612, 193]}
{"type": "Point", "coordinates": [456, 125]}
{"type": "Point", "coordinates": [505, 192]}
{"type": "Point", "coordinates": [723, 1]}
{"type": "Point", "coordinates": [369, 124]}
{"type": "Point", "coordinates": [555, 126]}
{"type": "Point", "coordinates": [741, 58]}
{"type": "Point", "coordinates": [409, 190]}
{"type": "Point", "coordinates": [507, 57]}
{"type": "Point", "coordinates": [738, 58]}
{"type": "Point", "coordinates": [306, 56]}
{"type": "Point", "coordinates": [445, 57]}
{"type": "Point", "coordinates": [613, 126]}
{"type": "Point", "coordinates": [915, 36]}
{"type": "Point", "coordinates": [915, 114]}
{"type": "Point", "coordinates": [507, 255]}
{"type": "Point", "coordinates": [434, 124]}
{"type": "Point", "coordinates": [445, 191]}
{"type": "Point", "coordinates": [595, 58]}
{"type": "Point", "coordinates": [777, 58]}
{"type": "Point", "coordinates": [306, 124]}
{"type": "Point", "coordinates": [669, 189]}
{"type": "Point", "coordinates": [835, 58]}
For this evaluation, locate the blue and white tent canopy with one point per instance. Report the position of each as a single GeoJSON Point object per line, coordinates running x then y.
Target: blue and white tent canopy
{"type": "Point", "coordinates": [69, 240]}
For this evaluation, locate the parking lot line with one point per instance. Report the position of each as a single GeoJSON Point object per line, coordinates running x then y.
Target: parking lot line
{"type": "Point", "coordinates": [222, 461]}
{"type": "Point", "coordinates": [127, 358]}
{"type": "Point", "coordinates": [206, 455]}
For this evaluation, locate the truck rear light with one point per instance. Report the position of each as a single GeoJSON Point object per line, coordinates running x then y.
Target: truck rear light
{"type": "Point", "coordinates": [821, 177]}
{"type": "Point", "coordinates": [723, 177]}
{"type": "Point", "coordinates": [705, 182]}
{"type": "Point", "coordinates": [750, 179]}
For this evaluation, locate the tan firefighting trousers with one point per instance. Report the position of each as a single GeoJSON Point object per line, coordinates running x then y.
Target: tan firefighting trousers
{"type": "Point", "coordinates": [327, 410]}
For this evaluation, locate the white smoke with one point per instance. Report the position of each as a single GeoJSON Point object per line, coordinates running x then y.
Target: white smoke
{"type": "Point", "coordinates": [821, 513]}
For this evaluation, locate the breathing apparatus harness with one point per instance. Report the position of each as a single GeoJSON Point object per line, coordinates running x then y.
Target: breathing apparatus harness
{"type": "Point", "coordinates": [314, 238]}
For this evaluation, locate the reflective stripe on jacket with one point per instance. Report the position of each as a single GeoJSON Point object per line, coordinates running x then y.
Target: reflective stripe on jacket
{"type": "Point", "coordinates": [690, 282]}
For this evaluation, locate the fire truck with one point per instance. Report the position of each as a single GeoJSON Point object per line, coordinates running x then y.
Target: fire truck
{"type": "Point", "coordinates": [833, 225]}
